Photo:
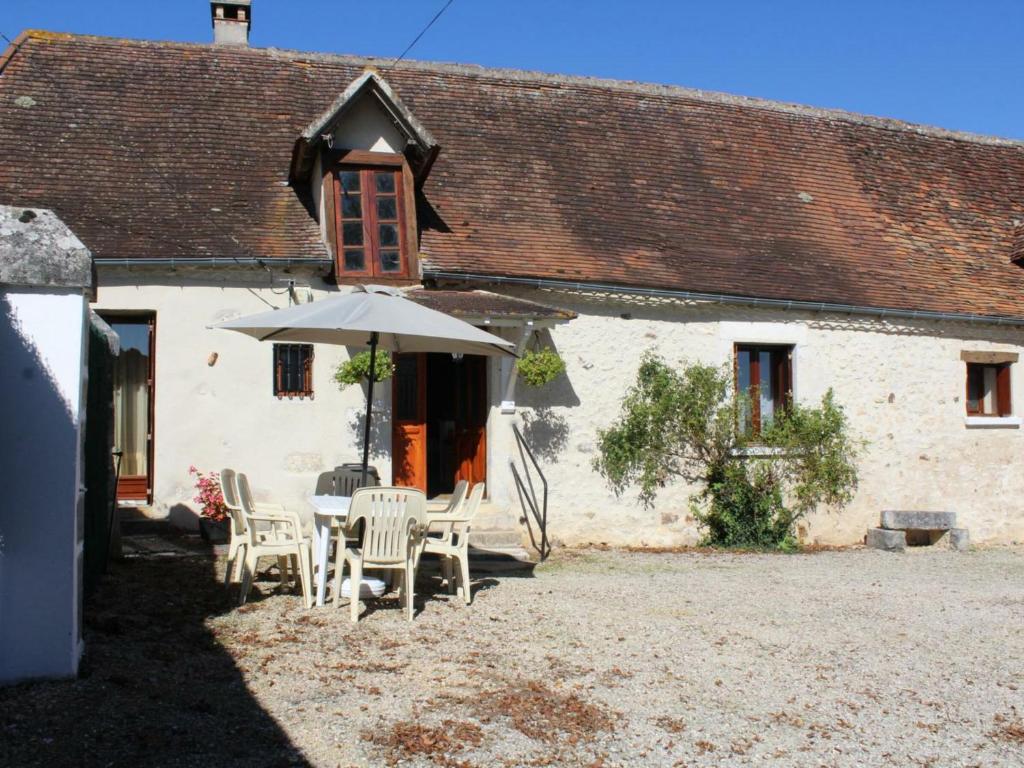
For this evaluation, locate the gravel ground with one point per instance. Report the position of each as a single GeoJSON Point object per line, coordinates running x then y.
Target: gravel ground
{"type": "Point", "coordinates": [603, 658]}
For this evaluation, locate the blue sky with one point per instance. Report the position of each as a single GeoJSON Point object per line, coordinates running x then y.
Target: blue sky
{"type": "Point", "coordinates": [956, 64]}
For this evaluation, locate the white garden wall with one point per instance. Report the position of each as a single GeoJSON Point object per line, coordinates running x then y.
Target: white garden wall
{"type": "Point", "coordinates": [45, 274]}
{"type": "Point", "coordinates": [43, 346]}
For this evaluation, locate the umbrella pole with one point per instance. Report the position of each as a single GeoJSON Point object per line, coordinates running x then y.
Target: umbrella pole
{"type": "Point", "coordinates": [374, 337]}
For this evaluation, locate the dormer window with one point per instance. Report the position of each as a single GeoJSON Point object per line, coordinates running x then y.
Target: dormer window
{"type": "Point", "coordinates": [363, 160]}
{"type": "Point", "coordinates": [370, 207]}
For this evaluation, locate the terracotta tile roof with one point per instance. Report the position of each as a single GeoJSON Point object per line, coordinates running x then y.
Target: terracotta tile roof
{"type": "Point", "coordinates": [485, 303]}
{"type": "Point", "coordinates": [161, 149]}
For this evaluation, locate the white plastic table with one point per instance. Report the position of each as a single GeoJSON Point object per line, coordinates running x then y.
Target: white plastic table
{"type": "Point", "coordinates": [328, 509]}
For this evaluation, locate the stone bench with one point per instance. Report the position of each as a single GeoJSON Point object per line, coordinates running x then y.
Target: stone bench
{"type": "Point", "coordinates": [895, 525]}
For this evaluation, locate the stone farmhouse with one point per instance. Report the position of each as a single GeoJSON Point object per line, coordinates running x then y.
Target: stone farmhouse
{"type": "Point", "coordinates": [808, 248]}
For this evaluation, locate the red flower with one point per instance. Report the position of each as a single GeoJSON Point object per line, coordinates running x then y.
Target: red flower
{"type": "Point", "coordinates": [209, 495]}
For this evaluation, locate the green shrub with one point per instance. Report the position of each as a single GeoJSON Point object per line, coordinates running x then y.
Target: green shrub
{"type": "Point", "coordinates": [685, 425]}
{"type": "Point", "coordinates": [744, 509]}
{"type": "Point", "coordinates": [356, 370]}
{"type": "Point", "coordinates": [539, 367]}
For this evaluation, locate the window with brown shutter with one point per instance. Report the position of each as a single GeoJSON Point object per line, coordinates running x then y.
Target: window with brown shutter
{"type": "Point", "coordinates": [370, 210]}
{"type": "Point", "coordinates": [988, 389]}
{"type": "Point", "coordinates": [764, 375]}
{"type": "Point", "coordinates": [293, 370]}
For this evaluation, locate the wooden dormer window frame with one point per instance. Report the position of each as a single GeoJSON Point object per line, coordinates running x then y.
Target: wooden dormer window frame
{"type": "Point", "coordinates": [373, 229]}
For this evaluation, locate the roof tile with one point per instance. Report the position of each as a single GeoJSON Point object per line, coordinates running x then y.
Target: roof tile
{"type": "Point", "coordinates": [167, 149]}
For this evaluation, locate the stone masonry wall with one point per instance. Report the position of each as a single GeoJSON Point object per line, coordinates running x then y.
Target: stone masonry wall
{"type": "Point", "coordinates": [902, 386]}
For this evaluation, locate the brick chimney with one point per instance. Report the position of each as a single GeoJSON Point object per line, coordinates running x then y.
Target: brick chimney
{"type": "Point", "coordinates": [231, 21]}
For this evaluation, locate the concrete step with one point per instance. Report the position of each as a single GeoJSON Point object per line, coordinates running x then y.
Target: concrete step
{"type": "Point", "coordinates": [136, 512]}
{"type": "Point", "coordinates": [493, 519]}
{"type": "Point", "coordinates": [496, 523]}
{"type": "Point", "coordinates": [490, 539]}
{"type": "Point", "coordinates": [145, 526]}
{"type": "Point", "coordinates": [512, 559]}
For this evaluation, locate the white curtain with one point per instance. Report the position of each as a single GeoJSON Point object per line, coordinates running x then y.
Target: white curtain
{"type": "Point", "coordinates": [131, 410]}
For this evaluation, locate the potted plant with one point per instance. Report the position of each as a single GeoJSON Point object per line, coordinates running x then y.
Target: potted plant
{"type": "Point", "coordinates": [538, 367]}
{"type": "Point", "coordinates": [357, 369]}
{"type": "Point", "coordinates": [213, 517]}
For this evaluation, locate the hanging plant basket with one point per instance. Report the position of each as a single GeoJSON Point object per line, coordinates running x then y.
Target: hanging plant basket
{"type": "Point", "coordinates": [538, 367]}
{"type": "Point", "coordinates": [357, 369]}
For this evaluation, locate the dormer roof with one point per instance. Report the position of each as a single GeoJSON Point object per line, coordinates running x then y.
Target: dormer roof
{"type": "Point", "coordinates": [1017, 252]}
{"type": "Point", "coordinates": [420, 148]}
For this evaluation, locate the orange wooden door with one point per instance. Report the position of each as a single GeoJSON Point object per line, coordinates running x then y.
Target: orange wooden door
{"type": "Point", "coordinates": [409, 422]}
{"type": "Point", "coordinates": [471, 420]}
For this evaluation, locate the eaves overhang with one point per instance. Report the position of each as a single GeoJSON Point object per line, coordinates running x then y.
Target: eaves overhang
{"type": "Point", "coordinates": [440, 277]}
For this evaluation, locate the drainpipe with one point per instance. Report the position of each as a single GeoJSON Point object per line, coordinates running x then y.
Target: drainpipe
{"type": "Point", "coordinates": [508, 402]}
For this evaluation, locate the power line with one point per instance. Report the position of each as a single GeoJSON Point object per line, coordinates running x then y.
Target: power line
{"type": "Point", "coordinates": [423, 32]}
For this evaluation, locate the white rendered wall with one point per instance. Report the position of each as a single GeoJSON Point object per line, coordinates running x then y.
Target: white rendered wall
{"type": "Point", "coordinates": [366, 126]}
{"type": "Point", "coordinates": [43, 346]}
{"type": "Point", "coordinates": [226, 415]}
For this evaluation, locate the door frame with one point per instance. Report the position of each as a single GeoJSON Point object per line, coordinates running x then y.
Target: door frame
{"type": "Point", "coordinates": [139, 487]}
{"type": "Point", "coordinates": [422, 421]}
{"type": "Point", "coordinates": [398, 436]}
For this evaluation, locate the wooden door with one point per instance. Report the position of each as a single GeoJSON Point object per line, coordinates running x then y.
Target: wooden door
{"type": "Point", "coordinates": [408, 419]}
{"type": "Point", "coordinates": [471, 420]}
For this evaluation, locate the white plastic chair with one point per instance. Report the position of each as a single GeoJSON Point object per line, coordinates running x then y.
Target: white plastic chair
{"type": "Point", "coordinates": [239, 533]}
{"type": "Point", "coordinates": [392, 520]}
{"type": "Point", "coordinates": [233, 569]}
{"type": "Point", "coordinates": [272, 532]}
{"type": "Point", "coordinates": [454, 501]}
{"type": "Point", "coordinates": [453, 544]}
{"type": "Point", "coordinates": [441, 508]}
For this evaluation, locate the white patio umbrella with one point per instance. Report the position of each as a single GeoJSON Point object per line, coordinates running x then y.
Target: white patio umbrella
{"type": "Point", "coordinates": [373, 316]}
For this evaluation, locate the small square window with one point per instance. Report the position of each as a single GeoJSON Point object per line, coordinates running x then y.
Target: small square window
{"type": "Point", "coordinates": [293, 370]}
{"type": "Point", "coordinates": [988, 389]}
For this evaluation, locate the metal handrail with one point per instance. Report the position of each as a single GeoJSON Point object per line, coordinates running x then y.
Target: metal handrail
{"type": "Point", "coordinates": [532, 506]}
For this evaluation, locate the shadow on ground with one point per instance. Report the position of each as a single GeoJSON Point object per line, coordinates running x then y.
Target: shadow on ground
{"type": "Point", "coordinates": [156, 688]}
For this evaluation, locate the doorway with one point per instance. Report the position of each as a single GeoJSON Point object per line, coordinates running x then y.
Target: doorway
{"type": "Point", "coordinates": [133, 404]}
{"type": "Point", "coordinates": [440, 421]}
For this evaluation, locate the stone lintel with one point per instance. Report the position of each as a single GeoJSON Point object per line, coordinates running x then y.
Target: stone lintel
{"type": "Point", "coordinates": [992, 358]}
